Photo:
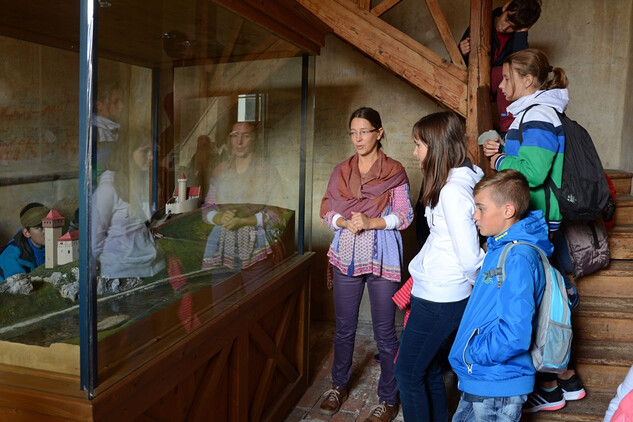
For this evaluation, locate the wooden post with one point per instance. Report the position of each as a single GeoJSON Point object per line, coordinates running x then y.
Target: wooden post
{"type": "Point", "coordinates": [479, 117]}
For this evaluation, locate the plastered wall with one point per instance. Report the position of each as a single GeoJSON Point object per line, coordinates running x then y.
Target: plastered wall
{"type": "Point", "coordinates": [590, 39]}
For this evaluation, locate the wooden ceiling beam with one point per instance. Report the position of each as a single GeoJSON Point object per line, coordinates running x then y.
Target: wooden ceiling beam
{"type": "Point", "coordinates": [283, 17]}
{"type": "Point", "coordinates": [384, 6]}
{"type": "Point", "coordinates": [394, 50]}
{"type": "Point", "coordinates": [445, 33]}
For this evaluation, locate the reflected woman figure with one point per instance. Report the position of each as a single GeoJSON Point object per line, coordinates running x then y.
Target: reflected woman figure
{"type": "Point", "coordinates": [366, 204]}
{"type": "Point", "coordinates": [445, 269]}
{"type": "Point", "coordinates": [122, 242]}
{"type": "Point", "coordinates": [244, 203]}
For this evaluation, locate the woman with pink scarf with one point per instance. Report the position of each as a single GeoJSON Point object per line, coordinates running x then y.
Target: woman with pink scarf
{"type": "Point", "coordinates": [366, 204]}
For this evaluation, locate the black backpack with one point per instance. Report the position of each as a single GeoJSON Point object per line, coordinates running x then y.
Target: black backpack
{"type": "Point", "coordinates": [584, 190]}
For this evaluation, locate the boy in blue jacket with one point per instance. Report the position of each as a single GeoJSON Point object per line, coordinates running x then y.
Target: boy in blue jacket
{"type": "Point", "coordinates": [490, 354]}
{"type": "Point", "coordinates": [26, 250]}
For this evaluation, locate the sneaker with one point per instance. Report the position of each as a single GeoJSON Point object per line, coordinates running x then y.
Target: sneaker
{"type": "Point", "coordinates": [383, 413]}
{"type": "Point", "coordinates": [544, 400]}
{"type": "Point", "coordinates": [572, 388]}
{"type": "Point", "coordinates": [332, 400]}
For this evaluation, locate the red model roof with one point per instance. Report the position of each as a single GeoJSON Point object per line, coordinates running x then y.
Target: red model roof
{"type": "Point", "coordinates": [53, 220]}
{"type": "Point", "coordinates": [72, 235]}
{"type": "Point", "coordinates": [191, 192]}
{"type": "Point", "coordinates": [53, 215]}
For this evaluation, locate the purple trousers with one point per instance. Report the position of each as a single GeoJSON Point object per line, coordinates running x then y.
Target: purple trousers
{"type": "Point", "coordinates": [348, 292]}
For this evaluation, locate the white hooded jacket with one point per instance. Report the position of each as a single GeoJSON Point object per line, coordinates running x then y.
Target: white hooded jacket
{"type": "Point", "coordinates": [446, 267]}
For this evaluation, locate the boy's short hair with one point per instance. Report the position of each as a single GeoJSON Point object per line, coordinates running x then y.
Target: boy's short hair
{"type": "Point", "coordinates": [507, 186]}
{"type": "Point", "coordinates": [524, 13]}
{"type": "Point", "coordinates": [32, 214]}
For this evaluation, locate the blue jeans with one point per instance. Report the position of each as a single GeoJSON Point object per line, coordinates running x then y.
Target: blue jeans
{"type": "Point", "coordinates": [348, 292]}
{"type": "Point", "coordinates": [418, 370]}
{"type": "Point", "coordinates": [489, 409]}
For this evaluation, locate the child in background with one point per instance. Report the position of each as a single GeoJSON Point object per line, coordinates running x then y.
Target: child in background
{"type": "Point", "coordinates": [25, 251]}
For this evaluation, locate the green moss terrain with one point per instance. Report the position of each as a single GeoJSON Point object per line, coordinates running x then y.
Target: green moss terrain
{"type": "Point", "coordinates": [184, 237]}
{"type": "Point", "coordinates": [181, 237]}
{"type": "Point", "coordinates": [44, 297]}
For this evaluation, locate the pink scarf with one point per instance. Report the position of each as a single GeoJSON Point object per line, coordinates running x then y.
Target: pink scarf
{"type": "Point", "coordinates": [368, 193]}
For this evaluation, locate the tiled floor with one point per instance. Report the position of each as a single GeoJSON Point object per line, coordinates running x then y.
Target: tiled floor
{"type": "Point", "coordinates": [365, 371]}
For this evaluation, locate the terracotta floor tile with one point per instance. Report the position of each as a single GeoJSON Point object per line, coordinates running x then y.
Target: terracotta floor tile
{"type": "Point", "coordinates": [363, 383]}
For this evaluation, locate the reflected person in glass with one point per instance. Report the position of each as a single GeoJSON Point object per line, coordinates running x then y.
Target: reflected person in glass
{"type": "Point", "coordinates": [245, 205]}
{"type": "Point", "coordinates": [121, 240]}
{"type": "Point", "coordinates": [109, 110]}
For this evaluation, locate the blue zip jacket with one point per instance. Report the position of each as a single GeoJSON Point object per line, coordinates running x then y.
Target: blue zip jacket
{"type": "Point", "coordinates": [17, 257]}
{"type": "Point", "coordinates": [490, 354]}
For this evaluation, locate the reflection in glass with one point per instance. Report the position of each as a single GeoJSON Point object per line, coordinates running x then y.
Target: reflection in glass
{"type": "Point", "coordinates": [244, 203]}
{"type": "Point", "coordinates": [122, 242]}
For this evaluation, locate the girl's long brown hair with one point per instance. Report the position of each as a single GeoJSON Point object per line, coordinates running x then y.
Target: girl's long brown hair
{"type": "Point", "coordinates": [444, 134]}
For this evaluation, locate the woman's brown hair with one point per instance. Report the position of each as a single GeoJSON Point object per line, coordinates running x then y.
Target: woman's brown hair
{"type": "Point", "coordinates": [444, 134]}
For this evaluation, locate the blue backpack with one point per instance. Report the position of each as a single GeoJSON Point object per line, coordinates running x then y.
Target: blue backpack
{"type": "Point", "coordinates": [551, 338]}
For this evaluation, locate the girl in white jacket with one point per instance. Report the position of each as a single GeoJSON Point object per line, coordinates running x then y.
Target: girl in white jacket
{"type": "Point", "coordinates": [445, 268]}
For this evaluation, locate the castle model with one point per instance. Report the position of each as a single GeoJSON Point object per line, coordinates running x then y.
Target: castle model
{"type": "Point", "coordinates": [58, 249]}
{"type": "Point", "coordinates": [68, 247]}
{"type": "Point", "coordinates": [184, 199]}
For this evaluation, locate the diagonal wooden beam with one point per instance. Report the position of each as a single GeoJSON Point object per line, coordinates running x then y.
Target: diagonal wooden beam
{"type": "Point", "coordinates": [278, 359]}
{"type": "Point", "coordinates": [394, 50]}
{"type": "Point", "coordinates": [402, 38]}
{"type": "Point", "coordinates": [445, 33]}
{"type": "Point", "coordinates": [210, 382]}
{"type": "Point", "coordinates": [280, 18]}
{"type": "Point", "coordinates": [384, 6]}
{"type": "Point", "coordinates": [275, 359]}
{"type": "Point", "coordinates": [364, 4]}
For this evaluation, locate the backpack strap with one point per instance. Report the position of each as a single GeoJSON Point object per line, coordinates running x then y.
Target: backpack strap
{"type": "Point", "coordinates": [504, 253]}
{"type": "Point", "coordinates": [549, 183]}
{"type": "Point", "coordinates": [547, 268]}
{"type": "Point", "coordinates": [521, 122]}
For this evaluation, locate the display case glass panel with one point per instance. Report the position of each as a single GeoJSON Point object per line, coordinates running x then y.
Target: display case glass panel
{"type": "Point", "coordinates": [197, 151]}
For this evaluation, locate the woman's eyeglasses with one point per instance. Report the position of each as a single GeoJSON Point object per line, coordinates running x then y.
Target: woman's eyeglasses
{"type": "Point", "coordinates": [363, 133]}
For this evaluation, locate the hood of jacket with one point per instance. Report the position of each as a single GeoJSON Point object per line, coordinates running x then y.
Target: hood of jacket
{"type": "Point", "coordinates": [557, 98]}
{"type": "Point", "coordinates": [533, 229]}
{"type": "Point", "coordinates": [468, 174]}
{"type": "Point", "coordinates": [443, 271]}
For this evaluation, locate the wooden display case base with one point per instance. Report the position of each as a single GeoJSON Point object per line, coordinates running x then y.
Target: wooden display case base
{"type": "Point", "coordinates": [250, 363]}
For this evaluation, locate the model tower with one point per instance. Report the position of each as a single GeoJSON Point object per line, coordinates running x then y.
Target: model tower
{"type": "Point", "coordinates": [184, 199]}
{"type": "Point", "coordinates": [68, 248]}
{"type": "Point", "coordinates": [52, 224]}
{"type": "Point", "coordinates": [182, 189]}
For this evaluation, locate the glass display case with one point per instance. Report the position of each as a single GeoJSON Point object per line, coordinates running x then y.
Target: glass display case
{"type": "Point", "coordinates": [156, 158]}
